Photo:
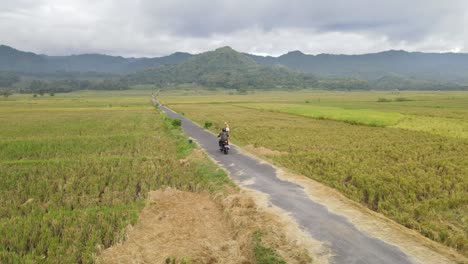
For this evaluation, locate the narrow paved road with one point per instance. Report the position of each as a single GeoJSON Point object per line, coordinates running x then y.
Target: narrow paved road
{"type": "Point", "coordinates": [347, 243]}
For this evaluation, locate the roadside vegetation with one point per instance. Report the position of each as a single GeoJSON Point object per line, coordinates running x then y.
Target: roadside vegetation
{"type": "Point", "coordinates": [75, 171]}
{"type": "Point", "coordinates": [265, 255]}
{"type": "Point", "coordinates": [413, 170]}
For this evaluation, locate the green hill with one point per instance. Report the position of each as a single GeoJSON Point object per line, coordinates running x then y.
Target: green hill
{"type": "Point", "coordinates": [223, 67]}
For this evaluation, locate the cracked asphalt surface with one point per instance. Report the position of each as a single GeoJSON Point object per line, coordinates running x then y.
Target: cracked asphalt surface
{"type": "Point", "coordinates": [347, 243]}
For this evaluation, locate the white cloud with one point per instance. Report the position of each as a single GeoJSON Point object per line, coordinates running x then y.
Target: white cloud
{"type": "Point", "coordinates": [153, 28]}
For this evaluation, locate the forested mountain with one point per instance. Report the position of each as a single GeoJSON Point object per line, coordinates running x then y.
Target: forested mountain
{"type": "Point", "coordinates": [447, 67]}
{"type": "Point", "coordinates": [223, 67]}
{"type": "Point", "coordinates": [13, 60]}
{"type": "Point", "coordinates": [148, 63]}
{"type": "Point", "coordinates": [18, 61]}
{"type": "Point", "coordinates": [227, 68]}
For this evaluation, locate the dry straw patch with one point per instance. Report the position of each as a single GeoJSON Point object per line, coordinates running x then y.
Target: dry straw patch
{"type": "Point", "coordinates": [262, 151]}
{"type": "Point", "coordinates": [205, 228]}
{"type": "Point", "coordinates": [196, 154]}
{"type": "Point", "coordinates": [180, 225]}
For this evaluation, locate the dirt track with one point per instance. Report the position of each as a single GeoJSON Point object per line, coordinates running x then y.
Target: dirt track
{"type": "Point", "coordinates": [348, 242]}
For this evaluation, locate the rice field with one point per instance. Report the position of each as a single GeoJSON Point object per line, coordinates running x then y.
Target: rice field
{"type": "Point", "coordinates": [351, 116]}
{"type": "Point", "coordinates": [75, 170]}
{"type": "Point", "coordinates": [405, 158]}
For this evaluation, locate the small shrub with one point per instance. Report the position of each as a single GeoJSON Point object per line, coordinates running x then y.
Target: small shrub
{"type": "Point", "coordinates": [52, 94]}
{"type": "Point", "coordinates": [207, 125]}
{"type": "Point", "coordinates": [242, 91]}
{"type": "Point", "coordinates": [265, 254]}
{"type": "Point", "coordinates": [307, 101]}
{"type": "Point", "coordinates": [443, 235]}
{"type": "Point", "coordinates": [5, 93]}
{"type": "Point", "coordinates": [176, 122]}
{"type": "Point", "coordinates": [383, 100]}
{"type": "Point", "coordinates": [402, 99]}
{"type": "Point", "coordinates": [34, 95]}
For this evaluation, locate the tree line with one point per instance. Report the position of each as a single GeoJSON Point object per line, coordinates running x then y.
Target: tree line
{"type": "Point", "coordinates": [7, 79]}
{"type": "Point", "coordinates": [65, 86]}
{"type": "Point", "coordinates": [16, 82]}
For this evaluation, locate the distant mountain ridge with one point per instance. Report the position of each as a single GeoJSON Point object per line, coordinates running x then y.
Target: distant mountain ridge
{"type": "Point", "coordinates": [398, 65]}
{"type": "Point", "coordinates": [14, 60]}
{"type": "Point", "coordinates": [449, 67]}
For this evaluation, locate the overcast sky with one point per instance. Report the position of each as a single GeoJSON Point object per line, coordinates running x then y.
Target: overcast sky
{"type": "Point", "coordinates": [273, 27]}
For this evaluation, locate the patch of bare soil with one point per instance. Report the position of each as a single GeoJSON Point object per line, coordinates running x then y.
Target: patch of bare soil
{"type": "Point", "coordinates": [202, 228]}
{"type": "Point", "coordinates": [262, 151]}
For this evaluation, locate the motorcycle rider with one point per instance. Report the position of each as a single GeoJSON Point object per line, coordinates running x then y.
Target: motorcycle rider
{"type": "Point", "coordinates": [223, 137]}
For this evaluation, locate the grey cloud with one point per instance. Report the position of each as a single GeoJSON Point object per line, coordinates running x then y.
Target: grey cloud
{"type": "Point", "coordinates": [150, 28]}
{"type": "Point", "coordinates": [397, 18]}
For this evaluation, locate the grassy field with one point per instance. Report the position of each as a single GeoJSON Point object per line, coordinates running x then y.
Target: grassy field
{"type": "Point", "coordinates": [351, 116]}
{"type": "Point", "coordinates": [75, 170]}
{"type": "Point", "coordinates": [403, 155]}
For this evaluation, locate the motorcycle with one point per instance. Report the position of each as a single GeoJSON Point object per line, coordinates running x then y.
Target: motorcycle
{"type": "Point", "coordinates": [224, 147]}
